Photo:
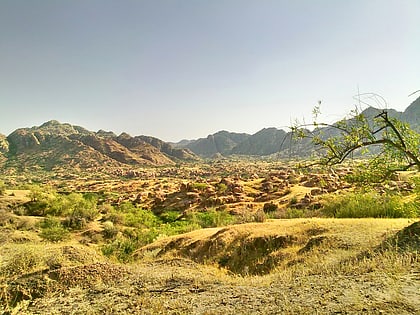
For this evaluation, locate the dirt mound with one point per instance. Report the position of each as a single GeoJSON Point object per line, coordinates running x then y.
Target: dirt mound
{"type": "Point", "coordinates": [407, 239]}
{"type": "Point", "coordinates": [87, 275]}
{"type": "Point", "coordinates": [71, 255]}
{"type": "Point", "coordinates": [248, 249]}
{"type": "Point", "coordinates": [38, 284]}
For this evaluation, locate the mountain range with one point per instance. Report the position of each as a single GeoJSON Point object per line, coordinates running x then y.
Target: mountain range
{"type": "Point", "coordinates": [55, 144]}
{"type": "Point", "coordinates": [277, 141]}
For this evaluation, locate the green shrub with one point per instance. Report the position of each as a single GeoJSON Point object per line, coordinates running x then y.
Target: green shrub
{"type": "Point", "coordinates": [211, 218]}
{"type": "Point", "coordinates": [36, 207]}
{"type": "Point", "coordinates": [178, 227]}
{"type": "Point", "coordinates": [115, 217]}
{"type": "Point", "coordinates": [52, 230]}
{"type": "Point", "coordinates": [169, 216]}
{"type": "Point", "coordinates": [370, 205]}
{"type": "Point", "coordinates": [198, 186]}
{"type": "Point", "coordinates": [121, 249]}
{"type": "Point", "coordinates": [221, 188]}
{"type": "Point", "coordinates": [137, 217]}
{"type": "Point", "coordinates": [110, 230]}
{"type": "Point", "coordinates": [78, 209]}
{"type": "Point", "coordinates": [293, 213]}
{"type": "Point", "coordinates": [293, 200]}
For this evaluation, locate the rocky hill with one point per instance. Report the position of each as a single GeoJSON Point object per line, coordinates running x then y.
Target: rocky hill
{"type": "Point", "coordinates": [412, 114]}
{"type": "Point", "coordinates": [270, 141]}
{"type": "Point", "coordinates": [55, 144]}
{"type": "Point", "coordinates": [221, 142]}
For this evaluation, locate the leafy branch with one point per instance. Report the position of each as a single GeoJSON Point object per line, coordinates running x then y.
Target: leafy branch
{"type": "Point", "coordinates": [361, 133]}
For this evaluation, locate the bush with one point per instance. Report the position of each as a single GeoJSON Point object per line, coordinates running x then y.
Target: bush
{"type": "Point", "coordinates": [211, 218]}
{"type": "Point", "coordinates": [137, 217]}
{"type": "Point", "coordinates": [178, 227]}
{"type": "Point", "coordinates": [169, 216]}
{"type": "Point", "coordinates": [120, 249]}
{"type": "Point", "coordinates": [198, 186]}
{"type": "Point", "coordinates": [123, 247]}
{"type": "Point", "coordinates": [36, 208]}
{"type": "Point", "coordinates": [52, 230]}
{"type": "Point", "coordinates": [24, 259]}
{"type": "Point", "coordinates": [270, 207]}
{"type": "Point", "coordinates": [79, 210]}
{"type": "Point", "coordinates": [110, 230]}
{"type": "Point", "coordinates": [370, 205]}
{"type": "Point", "coordinates": [221, 188]}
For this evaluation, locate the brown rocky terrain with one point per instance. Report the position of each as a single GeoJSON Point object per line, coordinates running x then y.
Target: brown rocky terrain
{"type": "Point", "coordinates": [54, 145]}
{"type": "Point", "coordinates": [262, 261]}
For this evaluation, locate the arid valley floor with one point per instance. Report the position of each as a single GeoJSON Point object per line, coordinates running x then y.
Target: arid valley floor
{"type": "Point", "coordinates": [269, 245]}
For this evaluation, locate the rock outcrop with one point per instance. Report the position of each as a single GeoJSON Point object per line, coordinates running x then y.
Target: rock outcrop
{"type": "Point", "coordinates": [55, 144]}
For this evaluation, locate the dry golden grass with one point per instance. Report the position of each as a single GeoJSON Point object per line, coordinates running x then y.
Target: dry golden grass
{"type": "Point", "coordinates": [321, 266]}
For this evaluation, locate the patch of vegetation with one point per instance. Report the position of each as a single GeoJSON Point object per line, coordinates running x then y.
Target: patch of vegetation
{"type": "Point", "coordinates": [211, 218]}
{"type": "Point", "coordinates": [370, 205]}
{"type": "Point", "coordinates": [137, 217]}
{"type": "Point", "coordinates": [77, 208]}
{"type": "Point", "coordinates": [52, 230]}
{"type": "Point", "coordinates": [23, 259]}
{"type": "Point", "coordinates": [270, 207]}
{"type": "Point", "coordinates": [199, 186]}
{"type": "Point", "coordinates": [221, 188]}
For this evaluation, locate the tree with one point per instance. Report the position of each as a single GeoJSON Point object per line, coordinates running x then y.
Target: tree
{"type": "Point", "coordinates": [390, 144]}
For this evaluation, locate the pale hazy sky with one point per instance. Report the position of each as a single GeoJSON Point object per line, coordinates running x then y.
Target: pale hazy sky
{"type": "Point", "coordinates": [178, 69]}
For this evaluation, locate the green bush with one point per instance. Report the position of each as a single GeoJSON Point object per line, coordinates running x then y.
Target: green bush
{"type": "Point", "coordinates": [270, 207]}
{"type": "Point", "coordinates": [123, 247]}
{"type": "Point", "coordinates": [169, 216]}
{"type": "Point", "coordinates": [221, 188]}
{"type": "Point", "coordinates": [36, 207]}
{"type": "Point", "coordinates": [110, 230]}
{"type": "Point", "coordinates": [211, 218]}
{"type": "Point", "coordinates": [178, 227]}
{"type": "Point", "coordinates": [52, 230]}
{"type": "Point", "coordinates": [137, 217]}
{"type": "Point", "coordinates": [198, 186]}
{"type": "Point", "coordinates": [293, 213]}
{"type": "Point", "coordinates": [115, 217]}
{"type": "Point", "coordinates": [370, 205]}
{"type": "Point", "coordinates": [78, 209]}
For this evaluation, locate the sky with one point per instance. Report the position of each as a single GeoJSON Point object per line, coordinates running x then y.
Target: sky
{"type": "Point", "coordinates": [184, 69]}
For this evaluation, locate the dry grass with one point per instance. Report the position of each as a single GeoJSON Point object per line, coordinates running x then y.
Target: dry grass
{"type": "Point", "coordinates": [327, 266]}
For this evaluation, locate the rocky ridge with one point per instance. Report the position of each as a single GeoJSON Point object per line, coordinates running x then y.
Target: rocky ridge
{"type": "Point", "coordinates": [270, 141]}
{"type": "Point", "coordinates": [55, 144]}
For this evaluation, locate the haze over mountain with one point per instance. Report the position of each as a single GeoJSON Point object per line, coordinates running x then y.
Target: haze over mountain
{"type": "Point", "coordinates": [277, 141]}
{"type": "Point", "coordinates": [55, 144]}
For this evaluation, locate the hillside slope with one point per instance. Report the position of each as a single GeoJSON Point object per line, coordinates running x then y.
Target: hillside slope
{"type": "Point", "coordinates": [55, 144]}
